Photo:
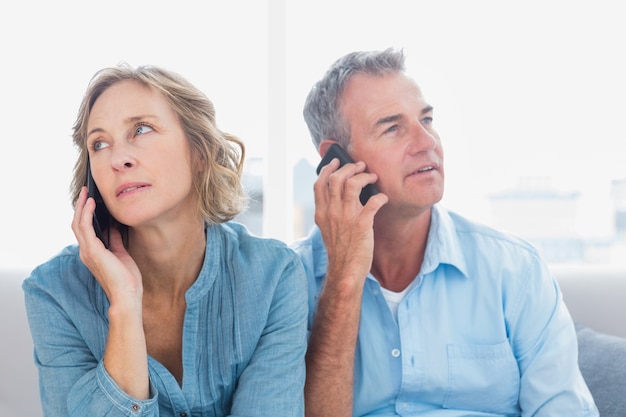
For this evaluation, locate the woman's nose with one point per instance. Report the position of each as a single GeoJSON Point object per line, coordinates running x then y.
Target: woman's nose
{"type": "Point", "coordinates": [121, 158]}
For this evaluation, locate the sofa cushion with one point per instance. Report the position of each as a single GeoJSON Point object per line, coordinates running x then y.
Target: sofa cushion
{"type": "Point", "coordinates": [602, 361]}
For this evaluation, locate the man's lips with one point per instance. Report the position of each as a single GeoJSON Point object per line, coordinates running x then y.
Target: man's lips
{"type": "Point", "coordinates": [424, 169]}
{"type": "Point", "coordinates": [127, 188]}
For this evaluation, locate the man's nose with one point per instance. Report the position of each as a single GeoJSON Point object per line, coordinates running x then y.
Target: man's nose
{"type": "Point", "coordinates": [421, 139]}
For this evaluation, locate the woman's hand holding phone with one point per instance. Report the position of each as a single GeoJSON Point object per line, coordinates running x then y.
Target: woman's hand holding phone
{"type": "Point", "coordinates": [114, 269]}
{"type": "Point", "coordinates": [126, 354]}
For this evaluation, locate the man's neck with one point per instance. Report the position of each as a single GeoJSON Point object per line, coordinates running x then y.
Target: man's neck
{"type": "Point", "coordinates": [399, 246]}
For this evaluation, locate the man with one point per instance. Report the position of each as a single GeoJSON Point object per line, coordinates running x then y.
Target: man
{"type": "Point", "coordinates": [415, 310]}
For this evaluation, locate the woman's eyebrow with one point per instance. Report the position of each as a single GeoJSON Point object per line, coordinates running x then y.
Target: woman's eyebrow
{"type": "Point", "coordinates": [130, 120]}
{"type": "Point", "coordinates": [134, 119]}
{"type": "Point", "coordinates": [95, 130]}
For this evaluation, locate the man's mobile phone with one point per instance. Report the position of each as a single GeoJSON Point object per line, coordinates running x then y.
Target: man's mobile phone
{"type": "Point", "coordinates": [101, 217]}
{"type": "Point", "coordinates": [336, 151]}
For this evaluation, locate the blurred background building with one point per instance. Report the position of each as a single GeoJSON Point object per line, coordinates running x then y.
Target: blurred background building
{"type": "Point", "coordinates": [532, 208]}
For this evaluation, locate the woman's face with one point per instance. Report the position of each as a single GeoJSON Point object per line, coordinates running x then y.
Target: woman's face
{"type": "Point", "coordinates": [140, 157]}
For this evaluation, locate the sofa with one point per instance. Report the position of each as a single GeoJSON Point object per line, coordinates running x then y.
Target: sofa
{"type": "Point", "coordinates": [595, 297]}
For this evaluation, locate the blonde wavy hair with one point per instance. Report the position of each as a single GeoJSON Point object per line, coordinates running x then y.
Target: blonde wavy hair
{"type": "Point", "coordinates": [220, 192]}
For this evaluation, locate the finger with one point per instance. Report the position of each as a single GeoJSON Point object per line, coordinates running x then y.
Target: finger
{"type": "Point", "coordinates": [339, 181]}
{"type": "Point", "coordinates": [354, 185]}
{"type": "Point", "coordinates": [83, 227]}
{"type": "Point", "coordinates": [375, 203]}
{"type": "Point", "coordinates": [329, 168]}
{"type": "Point", "coordinates": [78, 212]}
{"type": "Point", "coordinates": [320, 187]}
{"type": "Point", "coordinates": [116, 243]}
{"type": "Point", "coordinates": [86, 217]}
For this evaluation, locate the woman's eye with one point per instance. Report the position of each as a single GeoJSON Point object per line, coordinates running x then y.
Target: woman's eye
{"type": "Point", "coordinates": [142, 129]}
{"type": "Point", "coordinates": [97, 145]}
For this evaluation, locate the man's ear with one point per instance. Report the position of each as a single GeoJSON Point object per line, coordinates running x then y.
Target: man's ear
{"type": "Point", "coordinates": [324, 145]}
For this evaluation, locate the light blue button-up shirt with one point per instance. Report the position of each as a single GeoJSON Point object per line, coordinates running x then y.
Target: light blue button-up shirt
{"type": "Point", "coordinates": [244, 336]}
{"type": "Point", "coordinates": [483, 332]}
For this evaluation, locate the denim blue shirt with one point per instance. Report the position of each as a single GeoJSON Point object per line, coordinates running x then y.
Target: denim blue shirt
{"type": "Point", "coordinates": [484, 332]}
{"type": "Point", "coordinates": [244, 336]}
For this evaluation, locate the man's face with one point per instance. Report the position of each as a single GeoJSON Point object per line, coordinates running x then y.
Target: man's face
{"type": "Point", "coordinates": [392, 132]}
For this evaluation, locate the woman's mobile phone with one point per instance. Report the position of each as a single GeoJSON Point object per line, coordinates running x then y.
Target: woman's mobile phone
{"type": "Point", "coordinates": [336, 151]}
{"type": "Point", "coordinates": [101, 217]}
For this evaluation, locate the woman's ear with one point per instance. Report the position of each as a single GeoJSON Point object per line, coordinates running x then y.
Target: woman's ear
{"type": "Point", "coordinates": [324, 145]}
{"type": "Point", "coordinates": [198, 164]}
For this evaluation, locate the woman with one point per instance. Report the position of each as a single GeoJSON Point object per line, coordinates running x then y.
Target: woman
{"type": "Point", "coordinates": [185, 313]}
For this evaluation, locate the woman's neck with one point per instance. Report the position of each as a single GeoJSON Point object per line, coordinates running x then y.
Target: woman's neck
{"type": "Point", "coordinates": [170, 259]}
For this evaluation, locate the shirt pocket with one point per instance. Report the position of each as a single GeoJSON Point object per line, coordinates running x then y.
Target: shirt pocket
{"type": "Point", "coordinates": [482, 378]}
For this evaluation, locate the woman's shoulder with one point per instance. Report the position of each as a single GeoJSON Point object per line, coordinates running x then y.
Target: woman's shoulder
{"type": "Point", "coordinates": [238, 235]}
{"type": "Point", "coordinates": [230, 246]}
{"type": "Point", "coordinates": [65, 269]}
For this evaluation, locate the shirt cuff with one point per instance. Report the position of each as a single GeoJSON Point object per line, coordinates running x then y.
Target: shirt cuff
{"type": "Point", "coordinates": [129, 405]}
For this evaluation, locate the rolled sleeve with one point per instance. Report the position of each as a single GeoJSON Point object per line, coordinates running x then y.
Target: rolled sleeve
{"type": "Point", "coordinates": [73, 382]}
{"type": "Point", "coordinates": [97, 394]}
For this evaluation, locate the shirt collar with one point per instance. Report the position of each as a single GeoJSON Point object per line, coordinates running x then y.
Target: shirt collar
{"type": "Point", "coordinates": [443, 245]}
{"type": "Point", "coordinates": [216, 250]}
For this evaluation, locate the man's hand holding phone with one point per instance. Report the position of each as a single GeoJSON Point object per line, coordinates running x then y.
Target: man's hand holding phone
{"type": "Point", "coordinates": [336, 151]}
{"type": "Point", "coordinates": [346, 224]}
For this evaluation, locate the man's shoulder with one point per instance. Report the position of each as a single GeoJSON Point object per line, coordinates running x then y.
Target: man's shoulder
{"type": "Point", "coordinates": [482, 234]}
{"type": "Point", "coordinates": [310, 244]}
{"type": "Point", "coordinates": [312, 253]}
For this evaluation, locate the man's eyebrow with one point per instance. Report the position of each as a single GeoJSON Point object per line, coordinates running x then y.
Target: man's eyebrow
{"type": "Point", "coordinates": [396, 117]}
{"type": "Point", "coordinates": [388, 119]}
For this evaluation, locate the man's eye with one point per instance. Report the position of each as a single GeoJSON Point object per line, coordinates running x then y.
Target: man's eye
{"type": "Point", "coordinates": [392, 129]}
{"type": "Point", "coordinates": [427, 120]}
{"type": "Point", "coordinates": [140, 130]}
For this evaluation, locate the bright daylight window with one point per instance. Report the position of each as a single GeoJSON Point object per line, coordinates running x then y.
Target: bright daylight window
{"type": "Point", "coordinates": [528, 102]}
{"type": "Point", "coordinates": [530, 119]}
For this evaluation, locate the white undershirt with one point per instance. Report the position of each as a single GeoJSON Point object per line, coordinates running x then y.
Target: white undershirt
{"type": "Point", "coordinates": [395, 298]}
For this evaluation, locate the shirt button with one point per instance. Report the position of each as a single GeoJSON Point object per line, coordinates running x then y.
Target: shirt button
{"type": "Point", "coordinates": [135, 407]}
{"type": "Point", "coordinates": [183, 414]}
{"type": "Point", "coordinates": [395, 353]}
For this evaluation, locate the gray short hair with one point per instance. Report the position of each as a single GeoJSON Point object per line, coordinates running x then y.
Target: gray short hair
{"type": "Point", "coordinates": [322, 106]}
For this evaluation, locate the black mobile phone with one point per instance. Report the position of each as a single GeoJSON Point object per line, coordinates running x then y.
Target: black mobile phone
{"type": "Point", "coordinates": [101, 216]}
{"type": "Point", "coordinates": [336, 151]}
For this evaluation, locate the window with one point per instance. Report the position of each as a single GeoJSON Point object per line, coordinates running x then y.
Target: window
{"type": "Point", "coordinates": [528, 101]}
{"type": "Point", "coordinates": [530, 119]}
